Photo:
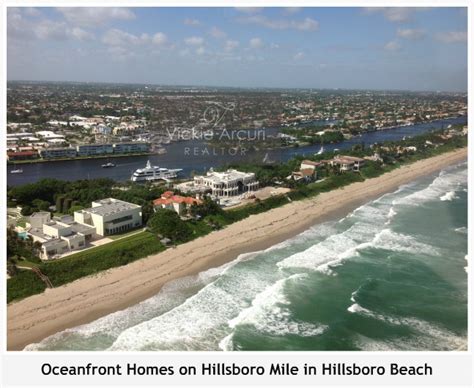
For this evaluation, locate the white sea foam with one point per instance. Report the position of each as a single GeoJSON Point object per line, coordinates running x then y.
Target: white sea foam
{"type": "Point", "coordinates": [269, 313]}
{"type": "Point", "coordinates": [462, 230]}
{"type": "Point", "coordinates": [449, 196]}
{"type": "Point", "coordinates": [426, 335]}
{"type": "Point", "coordinates": [226, 344]}
{"type": "Point", "coordinates": [447, 181]}
{"type": "Point", "coordinates": [390, 240]}
{"type": "Point", "coordinates": [112, 325]}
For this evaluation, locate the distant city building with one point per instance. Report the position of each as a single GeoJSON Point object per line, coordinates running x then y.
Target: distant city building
{"type": "Point", "coordinates": [110, 216]}
{"type": "Point", "coordinates": [58, 153]}
{"type": "Point", "coordinates": [21, 155]}
{"type": "Point", "coordinates": [134, 147]}
{"type": "Point", "coordinates": [94, 149]}
{"type": "Point", "coordinates": [48, 135]}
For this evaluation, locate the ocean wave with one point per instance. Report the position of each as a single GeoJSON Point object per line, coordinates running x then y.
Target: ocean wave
{"type": "Point", "coordinates": [389, 240]}
{"type": "Point", "coordinates": [449, 180]}
{"type": "Point", "coordinates": [449, 196]}
{"type": "Point", "coordinates": [462, 230]}
{"type": "Point", "coordinates": [269, 313]}
{"type": "Point", "coordinates": [426, 334]}
{"type": "Point", "coordinates": [111, 326]}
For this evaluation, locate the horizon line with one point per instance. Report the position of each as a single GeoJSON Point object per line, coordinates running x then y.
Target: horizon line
{"type": "Point", "coordinates": [236, 87]}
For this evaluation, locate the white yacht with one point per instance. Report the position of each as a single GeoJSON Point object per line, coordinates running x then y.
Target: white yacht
{"type": "Point", "coordinates": [17, 171]}
{"type": "Point", "coordinates": [154, 173]}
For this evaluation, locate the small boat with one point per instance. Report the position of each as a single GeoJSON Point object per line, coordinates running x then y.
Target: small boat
{"type": "Point", "coordinates": [321, 150]}
{"type": "Point", "coordinates": [108, 165]}
{"type": "Point", "coordinates": [17, 171]}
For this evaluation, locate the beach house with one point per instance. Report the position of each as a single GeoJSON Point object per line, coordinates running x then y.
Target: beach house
{"type": "Point", "coordinates": [177, 203]}
{"type": "Point", "coordinates": [110, 216]}
{"type": "Point", "coordinates": [229, 183]}
{"type": "Point", "coordinates": [347, 163]}
{"type": "Point", "coordinates": [306, 173]}
{"type": "Point", "coordinates": [59, 235]}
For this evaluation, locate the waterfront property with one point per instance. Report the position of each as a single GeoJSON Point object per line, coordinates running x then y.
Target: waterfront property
{"type": "Point", "coordinates": [307, 172]}
{"type": "Point", "coordinates": [134, 147]}
{"type": "Point", "coordinates": [94, 149]}
{"type": "Point", "coordinates": [21, 155]}
{"type": "Point", "coordinates": [59, 235]}
{"type": "Point", "coordinates": [347, 163]}
{"type": "Point", "coordinates": [110, 216]}
{"type": "Point", "coordinates": [177, 203]}
{"type": "Point", "coordinates": [222, 184]}
{"type": "Point", "coordinates": [58, 153]}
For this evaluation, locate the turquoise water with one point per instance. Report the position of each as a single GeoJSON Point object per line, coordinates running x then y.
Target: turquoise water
{"type": "Point", "coordinates": [391, 275]}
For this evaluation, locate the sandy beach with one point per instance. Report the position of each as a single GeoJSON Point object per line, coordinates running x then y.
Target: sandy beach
{"type": "Point", "coordinates": [87, 299]}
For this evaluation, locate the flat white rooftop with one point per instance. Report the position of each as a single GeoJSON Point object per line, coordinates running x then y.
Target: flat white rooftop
{"type": "Point", "coordinates": [109, 206]}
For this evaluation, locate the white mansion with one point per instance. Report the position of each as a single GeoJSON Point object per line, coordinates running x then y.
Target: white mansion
{"type": "Point", "coordinates": [222, 184]}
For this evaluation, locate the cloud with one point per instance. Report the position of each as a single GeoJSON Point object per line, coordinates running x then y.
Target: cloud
{"type": "Point", "coordinates": [21, 28]}
{"type": "Point", "coordinates": [217, 33]}
{"type": "Point", "coordinates": [410, 33]}
{"type": "Point", "coordinates": [48, 29]}
{"type": "Point", "coordinates": [256, 43]}
{"type": "Point", "coordinates": [194, 41]}
{"type": "Point", "coordinates": [191, 22]}
{"type": "Point", "coordinates": [34, 12]}
{"type": "Point", "coordinates": [298, 56]}
{"type": "Point", "coordinates": [394, 14]}
{"type": "Point", "coordinates": [200, 51]}
{"type": "Point", "coordinates": [452, 36]}
{"type": "Point", "coordinates": [159, 39]}
{"type": "Point", "coordinates": [231, 45]}
{"type": "Point", "coordinates": [392, 46]}
{"type": "Point", "coordinates": [94, 16]}
{"type": "Point", "coordinates": [116, 37]}
{"type": "Point", "coordinates": [291, 10]}
{"type": "Point", "coordinates": [82, 35]}
{"type": "Point", "coordinates": [120, 54]}
{"type": "Point", "coordinates": [307, 24]}
{"type": "Point", "coordinates": [249, 10]}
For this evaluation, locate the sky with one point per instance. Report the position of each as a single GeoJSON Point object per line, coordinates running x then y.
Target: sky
{"type": "Point", "coordinates": [332, 47]}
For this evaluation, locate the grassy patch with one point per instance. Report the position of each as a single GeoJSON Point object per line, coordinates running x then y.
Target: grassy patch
{"type": "Point", "coordinates": [24, 283]}
{"type": "Point", "coordinates": [89, 262]}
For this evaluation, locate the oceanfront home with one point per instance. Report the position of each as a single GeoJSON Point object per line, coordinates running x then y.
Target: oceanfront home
{"type": "Point", "coordinates": [58, 236]}
{"type": "Point", "coordinates": [347, 163]}
{"type": "Point", "coordinates": [307, 172]}
{"type": "Point", "coordinates": [229, 183]}
{"type": "Point", "coordinates": [177, 203]}
{"type": "Point", "coordinates": [110, 216]}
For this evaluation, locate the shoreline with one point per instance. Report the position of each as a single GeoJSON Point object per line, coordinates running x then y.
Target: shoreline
{"type": "Point", "coordinates": [84, 300]}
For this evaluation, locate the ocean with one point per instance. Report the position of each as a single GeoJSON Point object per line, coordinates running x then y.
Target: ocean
{"type": "Point", "coordinates": [391, 275]}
